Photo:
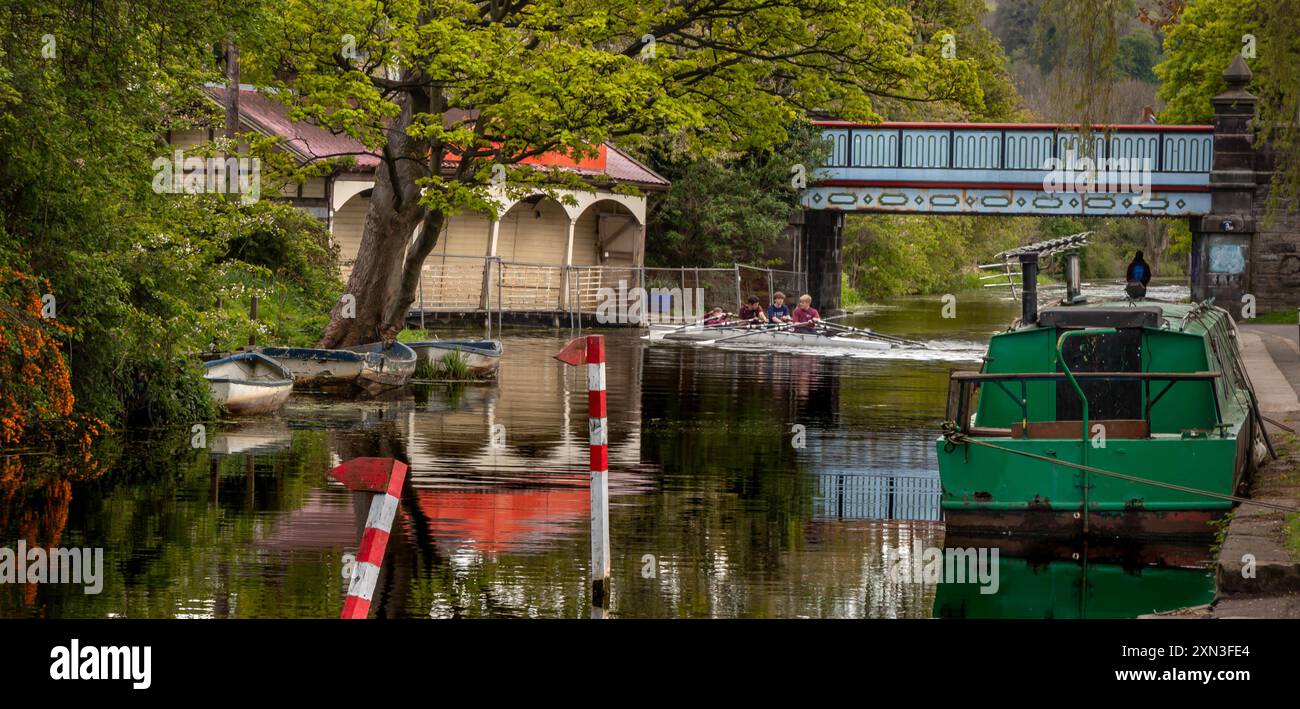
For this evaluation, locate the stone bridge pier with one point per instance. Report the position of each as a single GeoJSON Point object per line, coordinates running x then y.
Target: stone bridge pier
{"type": "Point", "coordinates": [1239, 248]}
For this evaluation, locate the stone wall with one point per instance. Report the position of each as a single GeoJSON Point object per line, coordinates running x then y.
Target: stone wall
{"type": "Point", "coordinates": [1275, 263]}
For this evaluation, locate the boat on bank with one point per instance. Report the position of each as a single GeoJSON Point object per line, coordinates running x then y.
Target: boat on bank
{"type": "Point", "coordinates": [248, 383]}
{"type": "Point", "coordinates": [770, 336]}
{"type": "Point", "coordinates": [370, 368]}
{"type": "Point", "coordinates": [1123, 419]}
{"type": "Point", "coordinates": [481, 357]}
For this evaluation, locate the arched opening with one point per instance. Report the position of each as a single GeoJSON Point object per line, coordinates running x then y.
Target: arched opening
{"type": "Point", "coordinates": [607, 234]}
{"type": "Point", "coordinates": [346, 227]}
{"type": "Point", "coordinates": [535, 230]}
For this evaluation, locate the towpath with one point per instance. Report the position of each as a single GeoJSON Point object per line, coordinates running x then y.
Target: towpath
{"type": "Point", "coordinates": [1258, 566]}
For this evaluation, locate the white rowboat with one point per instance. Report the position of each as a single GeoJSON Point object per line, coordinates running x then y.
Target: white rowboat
{"type": "Point", "coordinates": [249, 383]}
{"type": "Point", "coordinates": [370, 368]}
{"type": "Point", "coordinates": [481, 356]}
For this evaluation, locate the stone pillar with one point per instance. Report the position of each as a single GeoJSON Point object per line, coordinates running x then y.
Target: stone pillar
{"type": "Point", "coordinates": [822, 229]}
{"type": "Point", "coordinates": [1222, 240]}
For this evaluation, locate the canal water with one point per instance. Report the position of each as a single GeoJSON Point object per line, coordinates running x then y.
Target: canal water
{"type": "Point", "coordinates": [743, 483]}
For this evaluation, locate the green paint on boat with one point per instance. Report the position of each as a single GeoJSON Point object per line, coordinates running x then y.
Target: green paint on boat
{"type": "Point", "coordinates": [1178, 411]}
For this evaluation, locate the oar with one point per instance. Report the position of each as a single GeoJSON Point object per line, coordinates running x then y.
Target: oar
{"type": "Point", "coordinates": [870, 334]}
{"type": "Point", "coordinates": [755, 331]}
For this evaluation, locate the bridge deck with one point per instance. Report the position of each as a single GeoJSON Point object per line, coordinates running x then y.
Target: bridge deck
{"type": "Point", "coordinates": [1010, 168]}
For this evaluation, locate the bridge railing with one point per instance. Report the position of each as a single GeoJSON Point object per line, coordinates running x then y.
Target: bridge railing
{"type": "Point", "coordinates": [927, 151]}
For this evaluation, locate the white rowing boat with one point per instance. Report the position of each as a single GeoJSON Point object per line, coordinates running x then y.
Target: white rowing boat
{"type": "Point", "coordinates": [766, 337]}
{"type": "Point", "coordinates": [482, 357]}
{"type": "Point", "coordinates": [248, 383]}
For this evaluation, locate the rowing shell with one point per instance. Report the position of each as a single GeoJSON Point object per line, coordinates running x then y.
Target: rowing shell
{"type": "Point", "coordinates": [785, 338]}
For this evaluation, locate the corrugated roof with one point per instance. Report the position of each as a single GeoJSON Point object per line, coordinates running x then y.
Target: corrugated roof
{"type": "Point", "coordinates": [309, 141]}
{"type": "Point", "coordinates": [312, 142]}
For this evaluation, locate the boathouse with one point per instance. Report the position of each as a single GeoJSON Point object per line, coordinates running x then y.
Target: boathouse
{"type": "Point", "coordinates": [540, 255]}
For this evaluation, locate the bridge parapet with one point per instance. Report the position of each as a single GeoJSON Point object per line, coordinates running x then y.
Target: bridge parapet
{"type": "Point", "coordinates": [1033, 169]}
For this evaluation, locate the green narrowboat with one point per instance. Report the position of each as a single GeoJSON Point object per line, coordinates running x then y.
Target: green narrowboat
{"type": "Point", "coordinates": [1126, 419]}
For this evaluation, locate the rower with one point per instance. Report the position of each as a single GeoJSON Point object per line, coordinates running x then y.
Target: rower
{"type": "Point", "coordinates": [778, 311]}
{"type": "Point", "coordinates": [752, 312]}
{"type": "Point", "coordinates": [806, 314]}
{"type": "Point", "coordinates": [715, 317]}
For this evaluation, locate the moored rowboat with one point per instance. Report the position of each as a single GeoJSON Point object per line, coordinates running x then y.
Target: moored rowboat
{"type": "Point", "coordinates": [249, 383]}
{"type": "Point", "coordinates": [371, 368]}
{"type": "Point", "coordinates": [482, 357]}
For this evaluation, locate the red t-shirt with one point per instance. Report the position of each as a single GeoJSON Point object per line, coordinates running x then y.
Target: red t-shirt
{"type": "Point", "coordinates": [805, 315]}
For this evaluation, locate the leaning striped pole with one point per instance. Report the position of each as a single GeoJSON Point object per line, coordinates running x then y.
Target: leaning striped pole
{"type": "Point", "coordinates": [598, 436]}
{"type": "Point", "coordinates": [384, 477]}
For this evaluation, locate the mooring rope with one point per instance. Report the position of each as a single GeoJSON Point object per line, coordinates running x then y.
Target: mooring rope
{"type": "Point", "coordinates": [955, 437]}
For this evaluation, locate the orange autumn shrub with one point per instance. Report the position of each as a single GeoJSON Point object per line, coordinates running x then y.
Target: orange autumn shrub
{"type": "Point", "coordinates": [36, 400]}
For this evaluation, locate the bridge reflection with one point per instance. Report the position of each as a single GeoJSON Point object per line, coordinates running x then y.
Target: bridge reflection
{"type": "Point", "coordinates": [874, 495]}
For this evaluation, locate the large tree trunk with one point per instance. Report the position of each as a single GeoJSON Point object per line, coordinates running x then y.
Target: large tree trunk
{"type": "Point", "coordinates": [386, 272]}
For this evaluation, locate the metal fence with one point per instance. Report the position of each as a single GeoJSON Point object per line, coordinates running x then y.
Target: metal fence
{"type": "Point", "coordinates": [476, 283]}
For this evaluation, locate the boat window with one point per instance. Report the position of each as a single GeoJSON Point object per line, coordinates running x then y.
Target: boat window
{"type": "Point", "coordinates": [1121, 352]}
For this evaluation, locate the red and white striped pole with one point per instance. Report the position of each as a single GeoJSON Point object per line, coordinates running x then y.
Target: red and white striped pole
{"type": "Point", "coordinates": [384, 477]}
{"type": "Point", "coordinates": [591, 350]}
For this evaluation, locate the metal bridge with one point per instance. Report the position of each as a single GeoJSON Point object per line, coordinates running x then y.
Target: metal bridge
{"type": "Point", "coordinates": [1014, 168]}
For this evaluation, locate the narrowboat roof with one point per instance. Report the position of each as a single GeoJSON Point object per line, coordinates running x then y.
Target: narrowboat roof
{"type": "Point", "coordinates": [1125, 314]}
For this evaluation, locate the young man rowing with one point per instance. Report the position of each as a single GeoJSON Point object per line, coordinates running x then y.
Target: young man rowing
{"type": "Point", "coordinates": [778, 312]}
{"type": "Point", "coordinates": [752, 312]}
{"type": "Point", "coordinates": [805, 315]}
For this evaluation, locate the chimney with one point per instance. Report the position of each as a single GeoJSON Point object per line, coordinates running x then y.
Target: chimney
{"type": "Point", "coordinates": [1073, 279]}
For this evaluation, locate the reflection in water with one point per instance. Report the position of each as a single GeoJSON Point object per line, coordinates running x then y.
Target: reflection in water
{"type": "Point", "coordinates": [859, 496]}
{"type": "Point", "coordinates": [1082, 581]}
{"type": "Point", "coordinates": [744, 483]}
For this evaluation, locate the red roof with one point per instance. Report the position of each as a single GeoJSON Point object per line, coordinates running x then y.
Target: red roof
{"type": "Point", "coordinates": [312, 142]}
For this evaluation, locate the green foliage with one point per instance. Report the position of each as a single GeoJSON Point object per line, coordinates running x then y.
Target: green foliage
{"type": "Point", "coordinates": [559, 75]}
{"type": "Point", "coordinates": [413, 335]}
{"type": "Point", "coordinates": [892, 255]}
{"type": "Point", "coordinates": [887, 255]}
{"type": "Point", "coordinates": [1197, 50]}
{"type": "Point", "coordinates": [720, 212]}
{"type": "Point", "coordinates": [136, 274]}
{"type": "Point", "coordinates": [964, 20]}
{"type": "Point", "coordinates": [1200, 46]}
{"type": "Point", "coordinates": [1137, 57]}
{"type": "Point", "coordinates": [1276, 317]}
